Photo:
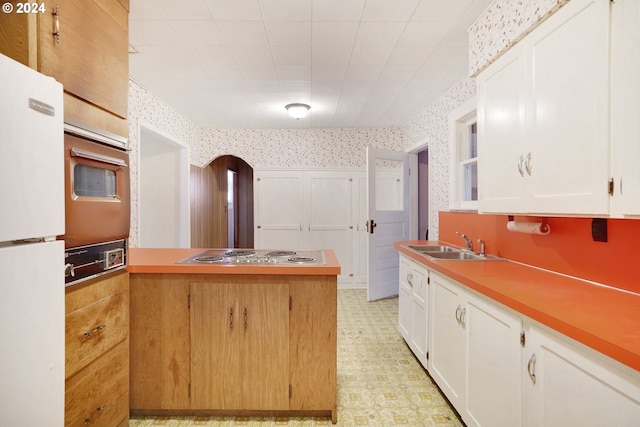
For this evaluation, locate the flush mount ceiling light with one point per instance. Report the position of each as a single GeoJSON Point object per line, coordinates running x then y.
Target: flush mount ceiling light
{"type": "Point", "coordinates": [297, 111]}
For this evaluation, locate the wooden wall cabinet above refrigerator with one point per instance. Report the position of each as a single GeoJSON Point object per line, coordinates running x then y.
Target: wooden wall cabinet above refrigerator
{"type": "Point", "coordinates": [83, 45]}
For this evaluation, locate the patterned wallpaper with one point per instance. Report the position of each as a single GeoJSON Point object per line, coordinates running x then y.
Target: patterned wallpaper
{"type": "Point", "coordinates": [433, 123]}
{"type": "Point", "coordinates": [503, 23]}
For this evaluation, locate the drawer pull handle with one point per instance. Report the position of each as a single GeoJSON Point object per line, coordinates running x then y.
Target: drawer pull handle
{"type": "Point", "coordinates": [93, 332]}
{"type": "Point", "coordinates": [458, 314]}
{"type": "Point", "coordinates": [231, 318]}
{"type": "Point", "coordinates": [56, 24]}
{"type": "Point", "coordinates": [520, 163]}
{"type": "Point", "coordinates": [246, 316]}
{"type": "Point", "coordinates": [531, 368]}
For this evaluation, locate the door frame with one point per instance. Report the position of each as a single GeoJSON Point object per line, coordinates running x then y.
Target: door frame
{"type": "Point", "coordinates": [183, 187]}
{"type": "Point", "coordinates": [413, 151]}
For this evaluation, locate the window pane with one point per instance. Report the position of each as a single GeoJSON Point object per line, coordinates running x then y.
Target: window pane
{"type": "Point", "coordinates": [389, 185]}
{"type": "Point", "coordinates": [470, 182]}
{"type": "Point", "coordinates": [473, 141]}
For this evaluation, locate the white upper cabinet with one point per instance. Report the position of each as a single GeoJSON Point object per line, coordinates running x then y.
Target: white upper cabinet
{"type": "Point", "coordinates": [543, 118]}
{"type": "Point", "coordinates": [625, 108]}
{"type": "Point", "coordinates": [501, 134]}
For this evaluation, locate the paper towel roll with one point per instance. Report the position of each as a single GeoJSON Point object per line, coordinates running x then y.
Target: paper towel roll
{"type": "Point", "coordinates": [528, 227]}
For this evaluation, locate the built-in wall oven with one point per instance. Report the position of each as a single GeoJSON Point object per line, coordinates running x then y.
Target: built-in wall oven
{"type": "Point", "coordinates": [97, 202]}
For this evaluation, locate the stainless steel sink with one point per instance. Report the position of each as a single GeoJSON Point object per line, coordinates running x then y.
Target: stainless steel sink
{"type": "Point", "coordinates": [434, 248]}
{"type": "Point", "coordinates": [444, 252]}
{"type": "Point", "coordinates": [459, 255]}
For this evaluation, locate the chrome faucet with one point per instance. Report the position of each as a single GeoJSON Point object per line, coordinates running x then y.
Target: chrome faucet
{"type": "Point", "coordinates": [481, 243]}
{"type": "Point", "coordinates": [468, 241]}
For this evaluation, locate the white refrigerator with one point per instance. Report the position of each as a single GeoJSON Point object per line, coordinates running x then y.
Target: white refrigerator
{"type": "Point", "coordinates": [31, 259]}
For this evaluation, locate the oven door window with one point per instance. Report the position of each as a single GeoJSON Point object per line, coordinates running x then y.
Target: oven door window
{"type": "Point", "coordinates": [89, 181]}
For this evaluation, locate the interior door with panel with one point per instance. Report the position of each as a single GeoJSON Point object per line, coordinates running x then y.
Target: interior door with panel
{"type": "Point", "coordinates": [329, 215]}
{"type": "Point", "coordinates": [569, 111]}
{"type": "Point", "coordinates": [278, 197]}
{"type": "Point", "coordinates": [388, 219]}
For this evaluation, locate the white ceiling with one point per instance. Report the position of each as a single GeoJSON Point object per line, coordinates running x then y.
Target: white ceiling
{"type": "Point", "coordinates": [358, 63]}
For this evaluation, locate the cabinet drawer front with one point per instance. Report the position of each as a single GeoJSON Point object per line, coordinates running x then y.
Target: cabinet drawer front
{"type": "Point", "coordinates": [98, 394]}
{"type": "Point", "coordinates": [95, 328]}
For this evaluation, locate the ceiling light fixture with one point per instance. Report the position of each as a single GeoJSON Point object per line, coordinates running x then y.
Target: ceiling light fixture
{"type": "Point", "coordinates": [297, 111]}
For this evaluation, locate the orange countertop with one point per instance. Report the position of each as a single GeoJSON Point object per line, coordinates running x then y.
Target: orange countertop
{"type": "Point", "coordinates": [603, 318]}
{"type": "Point", "coordinates": [163, 260]}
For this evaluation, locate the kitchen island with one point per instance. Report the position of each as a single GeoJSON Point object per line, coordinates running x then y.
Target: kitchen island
{"type": "Point", "coordinates": [243, 339]}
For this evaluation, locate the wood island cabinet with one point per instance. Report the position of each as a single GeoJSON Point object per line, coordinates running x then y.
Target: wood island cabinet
{"type": "Point", "coordinates": [97, 352]}
{"type": "Point", "coordinates": [240, 345]}
{"type": "Point", "coordinates": [89, 55]}
{"type": "Point", "coordinates": [214, 344]}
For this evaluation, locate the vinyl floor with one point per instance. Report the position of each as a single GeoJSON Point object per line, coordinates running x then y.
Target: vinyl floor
{"type": "Point", "coordinates": [380, 382]}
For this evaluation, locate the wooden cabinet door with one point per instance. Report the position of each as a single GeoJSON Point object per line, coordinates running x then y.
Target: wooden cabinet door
{"type": "Point", "coordinates": [160, 360]}
{"type": "Point", "coordinates": [313, 343]}
{"type": "Point", "coordinates": [90, 57]}
{"type": "Point", "coordinates": [215, 350]}
{"type": "Point", "coordinates": [239, 345]}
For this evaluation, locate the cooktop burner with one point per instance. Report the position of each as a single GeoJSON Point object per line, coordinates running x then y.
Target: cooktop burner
{"type": "Point", "coordinates": [239, 253]}
{"type": "Point", "coordinates": [301, 260]}
{"type": "Point", "coordinates": [280, 253]}
{"type": "Point", "coordinates": [255, 257]}
{"type": "Point", "coordinates": [208, 259]}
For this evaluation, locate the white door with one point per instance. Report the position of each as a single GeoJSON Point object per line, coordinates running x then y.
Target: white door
{"type": "Point", "coordinates": [278, 196]}
{"type": "Point", "coordinates": [329, 215]}
{"type": "Point", "coordinates": [388, 219]}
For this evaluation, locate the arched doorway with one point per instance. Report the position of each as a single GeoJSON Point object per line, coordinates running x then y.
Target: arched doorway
{"type": "Point", "coordinates": [222, 204]}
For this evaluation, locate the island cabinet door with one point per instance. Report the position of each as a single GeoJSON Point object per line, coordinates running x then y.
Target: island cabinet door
{"type": "Point", "coordinates": [313, 343]}
{"type": "Point", "coordinates": [240, 345]}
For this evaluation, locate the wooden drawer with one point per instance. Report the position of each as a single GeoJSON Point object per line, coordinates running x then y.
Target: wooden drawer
{"type": "Point", "coordinates": [98, 395]}
{"type": "Point", "coordinates": [100, 320]}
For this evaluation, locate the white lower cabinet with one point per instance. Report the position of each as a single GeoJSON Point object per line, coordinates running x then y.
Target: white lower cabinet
{"type": "Point", "coordinates": [475, 355]}
{"type": "Point", "coordinates": [568, 384]}
{"type": "Point", "coordinates": [412, 306]}
{"type": "Point", "coordinates": [500, 368]}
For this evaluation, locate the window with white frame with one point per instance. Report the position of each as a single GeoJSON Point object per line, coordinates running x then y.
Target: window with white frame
{"type": "Point", "coordinates": [464, 157]}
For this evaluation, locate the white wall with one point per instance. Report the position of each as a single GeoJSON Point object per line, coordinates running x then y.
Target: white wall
{"type": "Point", "coordinates": [163, 216]}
